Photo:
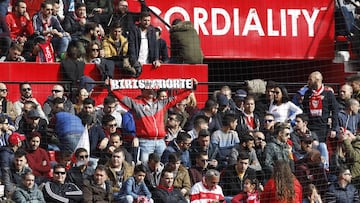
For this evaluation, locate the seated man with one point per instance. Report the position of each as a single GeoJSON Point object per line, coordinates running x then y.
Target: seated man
{"type": "Point", "coordinates": [7, 106]}
{"type": "Point", "coordinates": [28, 191]}
{"type": "Point", "coordinates": [165, 192]}
{"type": "Point", "coordinates": [115, 45]}
{"type": "Point", "coordinates": [180, 145]}
{"type": "Point", "coordinates": [7, 153]}
{"type": "Point", "coordinates": [207, 190]}
{"type": "Point", "coordinates": [49, 26]}
{"type": "Point", "coordinates": [57, 92]}
{"type": "Point", "coordinates": [98, 189]}
{"type": "Point", "coordinates": [74, 22]}
{"type": "Point", "coordinates": [81, 171]}
{"type": "Point", "coordinates": [153, 170]}
{"type": "Point", "coordinates": [14, 54]}
{"type": "Point", "coordinates": [12, 176]}
{"type": "Point", "coordinates": [57, 190]}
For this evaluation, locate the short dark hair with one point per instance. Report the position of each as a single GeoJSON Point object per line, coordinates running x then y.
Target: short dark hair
{"type": "Point", "coordinates": [19, 153]}
{"type": "Point", "coordinates": [228, 118]}
{"type": "Point", "coordinates": [89, 101]}
{"type": "Point", "coordinates": [56, 166]}
{"type": "Point", "coordinates": [303, 116]}
{"type": "Point", "coordinates": [109, 100]}
{"type": "Point", "coordinates": [144, 14]}
{"type": "Point", "coordinates": [243, 156]}
{"type": "Point", "coordinates": [106, 119]}
{"type": "Point", "coordinates": [209, 104]}
{"type": "Point", "coordinates": [139, 168]}
{"type": "Point", "coordinates": [79, 150]}
{"type": "Point", "coordinates": [79, 5]}
{"type": "Point", "coordinates": [154, 157]}
{"type": "Point", "coordinates": [100, 168]}
{"type": "Point", "coordinates": [182, 136]}
{"type": "Point", "coordinates": [280, 126]}
{"type": "Point", "coordinates": [90, 26]}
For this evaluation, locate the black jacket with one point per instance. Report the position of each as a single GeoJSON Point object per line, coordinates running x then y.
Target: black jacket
{"type": "Point", "coordinates": [230, 181]}
{"type": "Point", "coordinates": [164, 196]}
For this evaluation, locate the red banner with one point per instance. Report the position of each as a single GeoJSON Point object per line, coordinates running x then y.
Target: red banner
{"type": "Point", "coordinates": [255, 29]}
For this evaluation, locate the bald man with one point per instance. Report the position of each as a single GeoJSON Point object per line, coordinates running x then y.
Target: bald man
{"type": "Point", "coordinates": [346, 92]}
{"type": "Point", "coordinates": [320, 104]}
{"type": "Point", "coordinates": [7, 106]}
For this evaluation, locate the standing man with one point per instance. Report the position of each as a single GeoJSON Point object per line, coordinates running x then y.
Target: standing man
{"type": "Point", "coordinates": [143, 46]}
{"type": "Point", "coordinates": [149, 118]}
{"type": "Point", "coordinates": [346, 92]}
{"type": "Point", "coordinates": [320, 104]}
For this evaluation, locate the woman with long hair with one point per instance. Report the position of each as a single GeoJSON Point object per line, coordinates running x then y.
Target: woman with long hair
{"type": "Point", "coordinates": [282, 187]}
{"type": "Point", "coordinates": [281, 107]}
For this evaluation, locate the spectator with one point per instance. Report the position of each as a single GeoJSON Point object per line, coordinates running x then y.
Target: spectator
{"type": "Point", "coordinates": [260, 144]}
{"type": "Point", "coordinates": [7, 106]}
{"type": "Point", "coordinates": [143, 46]}
{"type": "Point", "coordinates": [26, 95]}
{"type": "Point", "coordinates": [116, 45]}
{"type": "Point", "coordinates": [5, 131]}
{"type": "Point", "coordinates": [97, 10]}
{"type": "Point", "coordinates": [180, 108]}
{"type": "Point", "coordinates": [298, 98]}
{"type": "Point", "coordinates": [57, 190]}
{"type": "Point", "coordinates": [81, 170]}
{"type": "Point", "coordinates": [12, 176]}
{"type": "Point", "coordinates": [203, 144]}
{"type": "Point", "coordinates": [74, 22]}
{"type": "Point", "coordinates": [14, 54]}
{"type": "Point", "coordinates": [49, 26]}
{"type": "Point", "coordinates": [165, 192]}
{"type": "Point", "coordinates": [7, 153]}
{"type": "Point", "coordinates": [278, 149]}
{"type": "Point", "coordinates": [309, 170]}
{"type": "Point", "coordinates": [118, 170]}
{"type": "Point", "coordinates": [134, 188]}
{"type": "Point", "coordinates": [207, 190]}
{"type": "Point", "coordinates": [239, 101]}
{"type": "Point", "coordinates": [90, 34]}
{"type": "Point", "coordinates": [263, 101]}
{"type": "Point", "coordinates": [346, 92]}
{"type": "Point", "coordinates": [150, 137]}
{"type": "Point", "coordinates": [19, 23]}
{"type": "Point", "coordinates": [5, 40]}
{"type": "Point", "coordinates": [247, 120]}
{"type": "Point", "coordinates": [198, 170]}
{"type": "Point", "coordinates": [281, 107]}
{"type": "Point", "coordinates": [57, 92]}
{"type": "Point", "coordinates": [247, 144]}
{"type": "Point", "coordinates": [95, 54]}
{"type": "Point", "coordinates": [342, 191]}
{"type": "Point", "coordinates": [38, 158]}
{"type": "Point", "coordinates": [350, 145]}
{"type": "Point", "coordinates": [110, 107]}
{"type": "Point", "coordinates": [181, 146]}
{"type": "Point", "coordinates": [182, 178]}
{"type": "Point", "coordinates": [311, 194]}
{"type": "Point", "coordinates": [163, 49]}
{"type": "Point", "coordinates": [354, 81]}
{"type": "Point", "coordinates": [185, 43]}
{"type": "Point", "coordinates": [116, 141]}
{"type": "Point", "coordinates": [31, 122]}
{"type": "Point", "coordinates": [226, 138]}
{"type": "Point", "coordinates": [282, 186]}
{"type": "Point", "coordinates": [200, 122]}
{"type": "Point", "coordinates": [173, 127]}
{"type": "Point", "coordinates": [210, 111]}
{"type": "Point", "coordinates": [28, 191]}
{"type": "Point", "coordinates": [81, 95]}
{"type": "Point", "coordinates": [268, 126]}
{"type": "Point", "coordinates": [326, 107]}
{"type": "Point", "coordinates": [250, 193]}
{"type": "Point", "coordinates": [153, 171]}
{"type": "Point", "coordinates": [99, 188]}
{"type": "Point", "coordinates": [233, 177]}
{"type": "Point", "coordinates": [349, 118]}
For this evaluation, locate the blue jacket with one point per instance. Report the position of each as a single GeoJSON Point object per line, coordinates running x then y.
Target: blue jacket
{"type": "Point", "coordinates": [350, 122]}
{"type": "Point", "coordinates": [173, 147]}
{"type": "Point", "coordinates": [134, 189]}
{"type": "Point", "coordinates": [336, 194]}
{"type": "Point", "coordinates": [67, 123]}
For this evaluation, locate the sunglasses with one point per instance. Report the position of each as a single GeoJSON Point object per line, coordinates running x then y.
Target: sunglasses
{"type": "Point", "coordinates": [3, 90]}
{"type": "Point", "coordinates": [59, 172]}
{"type": "Point", "coordinates": [84, 156]}
{"type": "Point", "coordinates": [26, 89]}
{"type": "Point", "coordinates": [95, 49]}
{"type": "Point", "coordinates": [268, 121]}
{"type": "Point", "coordinates": [276, 92]}
{"type": "Point", "coordinates": [112, 125]}
{"type": "Point", "coordinates": [56, 91]}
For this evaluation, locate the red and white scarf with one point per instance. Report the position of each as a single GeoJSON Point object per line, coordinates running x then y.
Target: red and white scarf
{"type": "Point", "coordinates": [315, 102]}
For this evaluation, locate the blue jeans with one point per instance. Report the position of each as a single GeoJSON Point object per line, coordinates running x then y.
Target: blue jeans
{"type": "Point", "coordinates": [60, 44]}
{"type": "Point", "coordinates": [148, 146]}
{"type": "Point", "coordinates": [69, 141]}
{"type": "Point", "coordinates": [324, 153]}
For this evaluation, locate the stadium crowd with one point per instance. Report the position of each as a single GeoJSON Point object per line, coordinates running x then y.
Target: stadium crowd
{"type": "Point", "coordinates": [253, 145]}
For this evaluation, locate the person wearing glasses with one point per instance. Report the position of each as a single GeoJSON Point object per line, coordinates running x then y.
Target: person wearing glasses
{"type": "Point", "coordinates": [57, 91]}
{"type": "Point", "coordinates": [49, 26]}
{"type": "Point", "coordinates": [57, 190]}
{"type": "Point", "coordinates": [26, 95]}
{"type": "Point", "coordinates": [278, 148]}
{"type": "Point", "coordinates": [7, 106]}
{"type": "Point", "coordinates": [342, 191]}
{"type": "Point", "coordinates": [267, 127]}
{"type": "Point", "coordinates": [81, 170]}
{"type": "Point", "coordinates": [180, 145]}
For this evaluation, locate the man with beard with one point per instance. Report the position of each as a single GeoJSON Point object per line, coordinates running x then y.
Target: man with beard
{"type": "Point", "coordinates": [74, 22]}
{"type": "Point", "coordinates": [19, 23]}
{"type": "Point", "coordinates": [180, 145]}
{"type": "Point", "coordinates": [91, 33]}
{"type": "Point", "coordinates": [7, 106]}
{"type": "Point", "coordinates": [26, 95]}
{"type": "Point", "coordinates": [49, 26]}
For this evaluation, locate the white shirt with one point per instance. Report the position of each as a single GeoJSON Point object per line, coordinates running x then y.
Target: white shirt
{"type": "Point", "coordinates": [144, 48]}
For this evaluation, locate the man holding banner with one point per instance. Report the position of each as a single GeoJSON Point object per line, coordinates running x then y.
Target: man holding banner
{"type": "Point", "coordinates": [148, 112]}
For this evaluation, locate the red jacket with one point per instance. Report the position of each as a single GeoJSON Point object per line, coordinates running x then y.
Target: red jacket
{"type": "Point", "coordinates": [268, 195]}
{"type": "Point", "coordinates": [35, 160]}
{"type": "Point", "coordinates": [149, 119]}
{"type": "Point", "coordinates": [19, 26]}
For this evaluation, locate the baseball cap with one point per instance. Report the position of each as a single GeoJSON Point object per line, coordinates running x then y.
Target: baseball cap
{"type": "Point", "coordinates": [222, 100]}
{"type": "Point", "coordinates": [241, 94]}
{"type": "Point", "coordinates": [15, 138]}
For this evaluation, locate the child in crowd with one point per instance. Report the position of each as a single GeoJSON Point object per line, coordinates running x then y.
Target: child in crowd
{"type": "Point", "coordinates": [250, 193]}
{"type": "Point", "coordinates": [135, 189]}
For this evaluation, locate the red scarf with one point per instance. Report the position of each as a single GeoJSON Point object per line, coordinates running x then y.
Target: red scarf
{"type": "Point", "coordinates": [315, 102]}
{"type": "Point", "coordinates": [170, 189]}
